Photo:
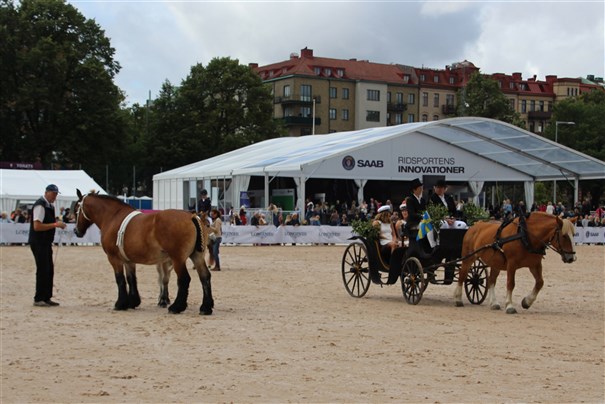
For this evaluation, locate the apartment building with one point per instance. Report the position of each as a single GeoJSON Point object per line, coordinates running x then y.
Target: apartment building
{"type": "Point", "coordinates": [316, 95]}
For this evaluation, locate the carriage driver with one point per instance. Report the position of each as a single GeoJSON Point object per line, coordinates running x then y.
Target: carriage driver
{"type": "Point", "coordinates": [416, 206]}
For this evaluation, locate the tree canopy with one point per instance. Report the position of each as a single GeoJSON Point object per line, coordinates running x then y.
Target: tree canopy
{"type": "Point", "coordinates": [58, 103]}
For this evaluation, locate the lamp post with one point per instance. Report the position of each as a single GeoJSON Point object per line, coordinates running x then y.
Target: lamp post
{"type": "Point", "coordinates": [313, 119]}
{"type": "Point", "coordinates": [557, 123]}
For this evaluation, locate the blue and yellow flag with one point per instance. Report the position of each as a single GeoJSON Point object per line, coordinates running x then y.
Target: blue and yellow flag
{"type": "Point", "coordinates": [425, 226]}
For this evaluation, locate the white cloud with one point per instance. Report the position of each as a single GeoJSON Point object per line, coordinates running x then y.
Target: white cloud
{"type": "Point", "coordinates": [438, 8]}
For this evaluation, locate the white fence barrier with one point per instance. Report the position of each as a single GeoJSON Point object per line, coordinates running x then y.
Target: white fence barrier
{"type": "Point", "coordinates": [18, 233]}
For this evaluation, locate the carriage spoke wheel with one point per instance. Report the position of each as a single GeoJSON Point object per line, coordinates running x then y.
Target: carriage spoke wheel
{"type": "Point", "coordinates": [413, 280]}
{"type": "Point", "coordinates": [356, 269]}
{"type": "Point", "coordinates": [475, 284]}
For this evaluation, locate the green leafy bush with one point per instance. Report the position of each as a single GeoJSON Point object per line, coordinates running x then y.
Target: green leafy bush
{"type": "Point", "coordinates": [474, 213]}
{"type": "Point", "coordinates": [437, 212]}
{"type": "Point", "coordinates": [365, 229]}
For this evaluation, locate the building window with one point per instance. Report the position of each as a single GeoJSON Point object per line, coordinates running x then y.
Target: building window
{"type": "Point", "coordinates": [389, 97]}
{"type": "Point", "coordinates": [435, 117]}
{"type": "Point", "coordinates": [550, 105]}
{"type": "Point", "coordinates": [532, 105]}
{"type": "Point", "coordinates": [452, 80]}
{"type": "Point", "coordinates": [436, 100]}
{"type": "Point", "coordinates": [317, 70]}
{"type": "Point", "coordinates": [449, 99]}
{"type": "Point", "coordinates": [499, 83]}
{"type": "Point", "coordinates": [424, 118]}
{"type": "Point", "coordinates": [425, 99]}
{"type": "Point", "coordinates": [305, 112]}
{"type": "Point", "coordinates": [328, 71]}
{"type": "Point", "coordinates": [398, 119]}
{"type": "Point", "coordinates": [406, 78]}
{"type": "Point", "coordinates": [345, 93]}
{"type": "Point", "coordinates": [340, 72]}
{"type": "Point", "coordinates": [345, 114]}
{"type": "Point", "coordinates": [511, 85]}
{"type": "Point", "coordinates": [332, 114]}
{"type": "Point", "coordinates": [435, 79]}
{"type": "Point", "coordinates": [523, 106]}
{"type": "Point", "coordinates": [422, 77]}
{"type": "Point", "coordinates": [373, 116]}
{"type": "Point", "coordinates": [305, 92]}
{"type": "Point", "coordinates": [373, 95]}
{"type": "Point", "coordinates": [411, 98]}
{"type": "Point", "coordinates": [286, 91]}
{"type": "Point", "coordinates": [541, 106]}
{"type": "Point", "coordinates": [287, 111]}
{"type": "Point", "coordinates": [410, 118]}
{"type": "Point", "coordinates": [399, 98]}
{"type": "Point", "coordinates": [512, 103]}
{"type": "Point", "coordinates": [305, 131]}
{"type": "Point", "coordinates": [333, 92]}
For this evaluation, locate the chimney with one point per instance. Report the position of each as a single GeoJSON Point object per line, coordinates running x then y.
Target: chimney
{"type": "Point", "coordinates": [516, 76]}
{"type": "Point", "coordinates": [253, 65]}
{"type": "Point", "coordinates": [551, 78]}
{"type": "Point", "coordinates": [306, 53]}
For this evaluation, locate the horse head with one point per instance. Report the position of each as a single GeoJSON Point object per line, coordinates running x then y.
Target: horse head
{"type": "Point", "coordinates": [563, 242]}
{"type": "Point", "coordinates": [83, 222]}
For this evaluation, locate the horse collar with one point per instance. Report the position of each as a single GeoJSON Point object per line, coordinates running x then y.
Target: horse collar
{"type": "Point", "coordinates": [122, 231]}
{"type": "Point", "coordinates": [82, 208]}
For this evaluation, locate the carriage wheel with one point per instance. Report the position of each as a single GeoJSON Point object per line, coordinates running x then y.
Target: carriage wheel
{"type": "Point", "coordinates": [356, 269]}
{"type": "Point", "coordinates": [475, 284]}
{"type": "Point", "coordinates": [413, 280]}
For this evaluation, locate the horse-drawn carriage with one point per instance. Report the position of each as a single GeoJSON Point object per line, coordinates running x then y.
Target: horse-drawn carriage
{"type": "Point", "coordinates": [467, 255]}
{"type": "Point", "coordinates": [415, 267]}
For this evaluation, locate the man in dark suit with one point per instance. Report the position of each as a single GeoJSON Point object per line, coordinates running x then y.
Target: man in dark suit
{"type": "Point", "coordinates": [440, 197]}
{"type": "Point", "coordinates": [204, 204]}
{"type": "Point", "coordinates": [416, 206]}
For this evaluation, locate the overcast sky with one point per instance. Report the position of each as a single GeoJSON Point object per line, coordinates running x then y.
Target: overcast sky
{"type": "Point", "coordinates": [160, 40]}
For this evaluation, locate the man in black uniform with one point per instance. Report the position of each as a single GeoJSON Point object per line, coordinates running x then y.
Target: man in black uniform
{"type": "Point", "coordinates": [416, 206]}
{"type": "Point", "coordinates": [41, 236]}
{"type": "Point", "coordinates": [204, 204]}
{"type": "Point", "coordinates": [440, 197]}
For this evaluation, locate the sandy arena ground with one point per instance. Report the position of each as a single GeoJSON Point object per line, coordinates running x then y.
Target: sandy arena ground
{"type": "Point", "coordinates": [284, 329]}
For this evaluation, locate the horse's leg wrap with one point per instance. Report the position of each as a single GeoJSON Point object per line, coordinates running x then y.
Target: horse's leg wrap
{"type": "Point", "coordinates": [122, 302]}
{"type": "Point", "coordinates": [134, 299]}
{"type": "Point", "coordinates": [207, 301]}
{"type": "Point", "coordinates": [180, 303]}
{"type": "Point", "coordinates": [458, 295]}
{"type": "Point", "coordinates": [491, 298]}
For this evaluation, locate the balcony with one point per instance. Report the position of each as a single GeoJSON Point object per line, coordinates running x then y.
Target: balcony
{"type": "Point", "coordinates": [300, 121]}
{"type": "Point", "coordinates": [297, 99]}
{"type": "Point", "coordinates": [448, 109]}
{"type": "Point", "coordinates": [396, 107]}
{"type": "Point", "coordinates": [539, 115]}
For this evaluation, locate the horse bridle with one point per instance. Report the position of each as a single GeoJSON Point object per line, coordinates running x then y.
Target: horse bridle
{"type": "Point", "coordinates": [81, 209]}
{"type": "Point", "coordinates": [558, 236]}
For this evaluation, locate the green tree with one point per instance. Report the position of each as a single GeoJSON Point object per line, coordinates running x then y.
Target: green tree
{"type": "Point", "coordinates": [58, 102]}
{"type": "Point", "coordinates": [482, 97]}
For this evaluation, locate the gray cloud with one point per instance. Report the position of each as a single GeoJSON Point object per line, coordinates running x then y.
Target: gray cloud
{"type": "Point", "coordinates": [159, 41]}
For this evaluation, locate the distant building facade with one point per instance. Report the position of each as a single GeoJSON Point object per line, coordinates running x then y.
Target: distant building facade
{"type": "Point", "coordinates": [318, 95]}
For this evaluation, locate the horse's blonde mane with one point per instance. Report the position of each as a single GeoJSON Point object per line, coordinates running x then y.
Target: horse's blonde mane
{"type": "Point", "coordinates": [568, 228]}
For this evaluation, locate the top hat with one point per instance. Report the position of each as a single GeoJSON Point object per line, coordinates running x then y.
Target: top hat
{"type": "Point", "coordinates": [441, 184]}
{"type": "Point", "coordinates": [416, 183]}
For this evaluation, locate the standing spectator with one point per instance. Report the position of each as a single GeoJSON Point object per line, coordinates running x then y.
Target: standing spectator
{"type": "Point", "coordinates": [242, 216]}
{"type": "Point", "coordinates": [295, 221]}
{"type": "Point", "coordinates": [334, 218]}
{"type": "Point", "coordinates": [217, 229]}
{"type": "Point", "coordinates": [5, 219]}
{"type": "Point", "coordinates": [41, 236]}
{"type": "Point", "coordinates": [550, 208]}
{"type": "Point", "coordinates": [204, 204]}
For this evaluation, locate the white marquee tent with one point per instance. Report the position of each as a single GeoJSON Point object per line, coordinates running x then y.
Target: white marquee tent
{"type": "Point", "coordinates": [470, 149]}
{"type": "Point", "coordinates": [22, 187]}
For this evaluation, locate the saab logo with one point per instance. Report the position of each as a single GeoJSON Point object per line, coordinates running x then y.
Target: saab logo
{"type": "Point", "coordinates": [348, 163]}
{"type": "Point", "coordinates": [370, 163]}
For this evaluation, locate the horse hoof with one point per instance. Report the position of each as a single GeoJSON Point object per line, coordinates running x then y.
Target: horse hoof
{"type": "Point", "coordinates": [176, 310]}
{"type": "Point", "coordinates": [511, 310]}
{"type": "Point", "coordinates": [163, 305]}
{"type": "Point", "coordinates": [524, 304]}
{"type": "Point", "coordinates": [205, 312]}
{"type": "Point", "coordinates": [495, 307]}
{"type": "Point", "coordinates": [459, 304]}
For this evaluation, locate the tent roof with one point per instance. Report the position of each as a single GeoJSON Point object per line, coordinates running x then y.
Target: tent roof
{"type": "Point", "coordinates": [30, 184]}
{"type": "Point", "coordinates": [497, 143]}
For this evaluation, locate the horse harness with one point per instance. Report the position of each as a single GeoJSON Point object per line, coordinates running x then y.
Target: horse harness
{"type": "Point", "coordinates": [122, 231]}
{"type": "Point", "coordinates": [522, 234]}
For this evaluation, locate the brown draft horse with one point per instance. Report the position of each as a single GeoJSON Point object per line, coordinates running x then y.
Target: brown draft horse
{"type": "Point", "coordinates": [161, 239]}
{"type": "Point", "coordinates": [518, 245]}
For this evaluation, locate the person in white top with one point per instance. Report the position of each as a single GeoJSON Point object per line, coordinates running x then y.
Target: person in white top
{"type": "Point", "coordinates": [388, 237]}
{"type": "Point", "coordinates": [550, 208]}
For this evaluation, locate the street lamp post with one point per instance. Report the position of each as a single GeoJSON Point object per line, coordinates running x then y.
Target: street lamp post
{"type": "Point", "coordinates": [557, 123]}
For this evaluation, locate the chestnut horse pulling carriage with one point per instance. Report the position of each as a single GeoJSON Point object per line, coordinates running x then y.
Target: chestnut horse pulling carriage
{"type": "Point", "coordinates": [463, 256]}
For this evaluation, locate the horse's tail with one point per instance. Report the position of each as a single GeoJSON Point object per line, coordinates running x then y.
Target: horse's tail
{"type": "Point", "coordinates": [199, 242]}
